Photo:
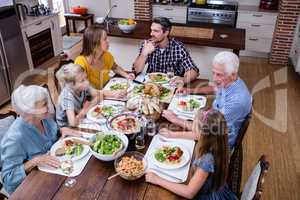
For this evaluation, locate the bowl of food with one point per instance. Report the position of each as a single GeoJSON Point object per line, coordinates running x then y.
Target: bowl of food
{"type": "Point", "coordinates": [127, 25]}
{"type": "Point", "coordinates": [131, 165]}
{"type": "Point", "coordinates": [108, 146]}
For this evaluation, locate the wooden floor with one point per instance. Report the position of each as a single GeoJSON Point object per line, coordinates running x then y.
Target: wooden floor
{"type": "Point", "coordinates": [282, 149]}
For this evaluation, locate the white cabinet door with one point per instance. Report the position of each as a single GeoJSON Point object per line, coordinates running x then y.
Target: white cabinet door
{"type": "Point", "coordinates": [124, 9]}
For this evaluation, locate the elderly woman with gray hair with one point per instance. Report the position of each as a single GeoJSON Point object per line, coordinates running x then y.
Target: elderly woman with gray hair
{"type": "Point", "coordinates": [233, 98]}
{"type": "Point", "coordinates": [29, 138]}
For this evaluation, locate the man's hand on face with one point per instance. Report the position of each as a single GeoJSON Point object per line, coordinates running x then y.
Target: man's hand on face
{"type": "Point", "coordinates": [148, 48]}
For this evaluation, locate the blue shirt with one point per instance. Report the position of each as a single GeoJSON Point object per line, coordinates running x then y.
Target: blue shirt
{"type": "Point", "coordinates": [21, 143]}
{"type": "Point", "coordinates": [207, 164]}
{"type": "Point", "coordinates": [235, 103]}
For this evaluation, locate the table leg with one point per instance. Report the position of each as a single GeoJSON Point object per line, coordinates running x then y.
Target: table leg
{"type": "Point", "coordinates": [86, 24]}
{"type": "Point", "coordinates": [74, 26]}
{"type": "Point", "coordinates": [236, 51]}
{"type": "Point", "coordinates": [67, 26]}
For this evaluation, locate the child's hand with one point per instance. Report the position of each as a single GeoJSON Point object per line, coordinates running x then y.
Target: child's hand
{"type": "Point", "coordinates": [120, 94]}
{"type": "Point", "coordinates": [165, 132]}
{"type": "Point", "coordinates": [152, 178]}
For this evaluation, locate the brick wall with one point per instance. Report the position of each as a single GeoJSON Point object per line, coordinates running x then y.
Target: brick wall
{"type": "Point", "coordinates": [143, 9]}
{"type": "Point", "coordinates": [284, 31]}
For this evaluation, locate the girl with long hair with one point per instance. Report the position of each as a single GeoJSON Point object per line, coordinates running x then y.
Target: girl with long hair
{"type": "Point", "coordinates": [210, 166]}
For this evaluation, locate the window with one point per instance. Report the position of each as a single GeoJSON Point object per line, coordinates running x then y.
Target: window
{"type": "Point", "coordinates": [57, 6]}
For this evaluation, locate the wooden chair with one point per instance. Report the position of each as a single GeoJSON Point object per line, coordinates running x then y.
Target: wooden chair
{"type": "Point", "coordinates": [61, 63]}
{"type": "Point", "coordinates": [236, 160]}
{"type": "Point", "coordinates": [5, 122]}
{"type": "Point", "coordinates": [254, 185]}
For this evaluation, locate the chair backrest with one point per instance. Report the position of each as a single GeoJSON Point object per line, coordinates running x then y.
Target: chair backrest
{"type": "Point", "coordinates": [51, 95]}
{"type": "Point", "coordinates": [61, 63]}
{"type": "Point", "coordinates": [254, 185]}
{"type": "Point", "coordinates": [235, 164]}
{"type": "Point", "coordinates": [5, 121]}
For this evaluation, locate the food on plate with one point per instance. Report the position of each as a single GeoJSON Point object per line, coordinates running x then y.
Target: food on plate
{"type": "Point", "coordinates": [150, 105]}
{"type": "Point", "coordinates": [138, 89]}
{"type": "Point", "coordinates": [67, 166]}
{"type": "Point", "coordinates": [127, 21]}
{"type": "Point", "coordinates": [152, 89]}
{"type": "Point", "coordinates": [70, 148]}
{"type": "Point", "coordinates": [168, 155]}
{"type": "Point", "coordinates": [164, 92]}
{"type": "Point", "coordinates": [125, 123]}
{"type": "Point", "coordinates": [158, 77]}
{"type": "Point", "coordinates": [190, 105]}
{"type": "Point", "coordinates": [107, 144]}
{"type": "Point", "coordinates": [106, 111]}
{"type": "Point", "coordinates": [130, 166]}
{"type": "Point", "coordinates": [118, 86]}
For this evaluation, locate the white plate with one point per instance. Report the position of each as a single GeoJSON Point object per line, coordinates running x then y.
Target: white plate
{"type": "Point", "coordinates": [200, 99]}
{"type": "Point", "coordinates": [184, 159]}
{"type": "Point", "coordinates": [101, 119]}
{"type": "Point", "coordinates": [148, 79]}
{"type": "Point", "coordinates": [117, 81]}
{"type": "Point", "coordinates": [60, 143]}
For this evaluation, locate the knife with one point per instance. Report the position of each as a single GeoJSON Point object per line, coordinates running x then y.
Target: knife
{"type": "Point", "coordinates": [86, 130]}
{"type": "Point", "coordinates": [136, 81]}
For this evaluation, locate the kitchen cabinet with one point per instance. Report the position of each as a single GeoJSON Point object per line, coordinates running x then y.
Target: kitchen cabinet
{"type": "Point", "coordinates": [50, 46]}
{"type": "Point", "coordinates": [259, 25]}
{"type": "Point", "coordinates": [176, 14]}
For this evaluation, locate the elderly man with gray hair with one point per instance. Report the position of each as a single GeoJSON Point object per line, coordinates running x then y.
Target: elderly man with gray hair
{"type": "Point", "coordinates": [232, 97]}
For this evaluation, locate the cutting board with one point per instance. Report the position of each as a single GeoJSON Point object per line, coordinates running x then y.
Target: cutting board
{"type": "Point", "coordinates": [192, 32]}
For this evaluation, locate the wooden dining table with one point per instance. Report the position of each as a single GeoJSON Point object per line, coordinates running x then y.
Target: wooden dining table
{"type": "Point", "coordinates": [93, 181]}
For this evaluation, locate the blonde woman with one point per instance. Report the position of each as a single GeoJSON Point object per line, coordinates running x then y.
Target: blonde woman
{"type": "Point", "coordinates": [95, 59]}
{"type": "Point", "coordinates": [30, 136]}
{"type": "Point", "coordinates": [73, 101]}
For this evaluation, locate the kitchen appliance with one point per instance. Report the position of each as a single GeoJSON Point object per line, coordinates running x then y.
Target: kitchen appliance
{"type": "Point", "coordinates": [79, 10]}
{"type": "Point", "coordinates": [13, 60]}
{"type": "Point", "coordinates": [269, 4]}
{"type": "Point", "coordinates": [22, 11]}
{"type": "Point", "coordinates": [223, 13]}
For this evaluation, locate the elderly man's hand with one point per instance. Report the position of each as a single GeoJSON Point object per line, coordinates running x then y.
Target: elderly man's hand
{"type": "Point", "coordinates": [177, 82]}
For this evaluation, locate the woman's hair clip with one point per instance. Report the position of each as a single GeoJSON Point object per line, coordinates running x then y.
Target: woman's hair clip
{"type": "Point", "coordinates": [205, 114]}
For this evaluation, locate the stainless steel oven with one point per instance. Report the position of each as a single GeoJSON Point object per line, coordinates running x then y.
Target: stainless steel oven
{"type": "Point", "coordinates": [213, 12]}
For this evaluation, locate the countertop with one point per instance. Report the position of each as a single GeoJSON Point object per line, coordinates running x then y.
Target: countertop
{"type": "Point", "coordinates": [32, 19]}
{"type": "Point", "coordinates": [246, 8]}
{"type": "Point", "coordinates": [235, 39]}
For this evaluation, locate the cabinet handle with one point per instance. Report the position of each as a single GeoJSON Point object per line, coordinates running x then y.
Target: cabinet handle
{"type": "Point", "coordinates": [257, 15]}
{"type": "Point", "coordinates": [255, 25]}
{"type": "Point", "coordinates": [39, 23]}
{"type": "Point", "coordinates": [253, 39]}
{"type": "Point", "coordinates": [169, 9]}
{"type": "Point", "coordinates": [26, 35]}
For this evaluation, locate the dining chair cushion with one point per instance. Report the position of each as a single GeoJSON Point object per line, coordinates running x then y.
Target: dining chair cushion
{"type": "Point", "coordinates": [251, 184]}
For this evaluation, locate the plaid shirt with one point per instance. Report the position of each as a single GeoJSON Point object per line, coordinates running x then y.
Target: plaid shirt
{"type": "Point", "coordinates": [174, 58]}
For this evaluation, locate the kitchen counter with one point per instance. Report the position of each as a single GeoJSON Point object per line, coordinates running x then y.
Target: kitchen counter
{"type": "Point", "coordinates": [234, 41]}
{"type": "Point", "coordinates": [35, 19]}
{"type": "Point", "coordinates": [249, 8]}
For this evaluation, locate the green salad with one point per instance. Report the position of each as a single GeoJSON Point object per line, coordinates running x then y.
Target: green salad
{"type": "Point", "coordinates": [164, 93]}
{"type": "Point", "coordinates": [75, 149]}
{"type": "Point", "coordinates": [107, 144]}
{"type": "Point", "coordinates": [108, 111]}
{"type": "Point", "coordinates": [138, 89]}
{"type": "Point", "coordinates": [193, 104]}
{"type": "Point", "coordinates": [158, 77]}
{"type": "Point", "coordinates": [118, 86]}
